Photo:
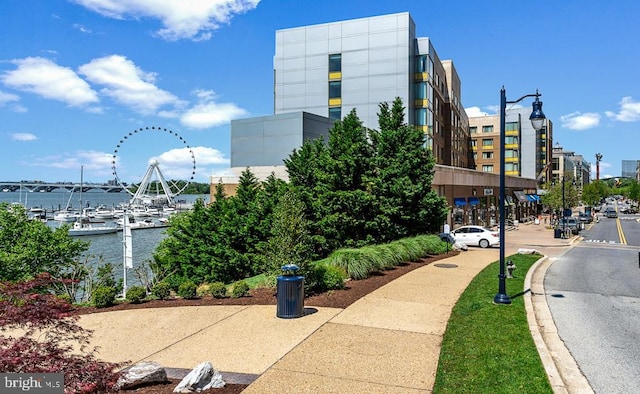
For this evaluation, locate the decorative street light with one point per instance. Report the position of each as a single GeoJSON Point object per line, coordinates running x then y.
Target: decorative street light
{"type": "Point", "coordinates": [537, 121]}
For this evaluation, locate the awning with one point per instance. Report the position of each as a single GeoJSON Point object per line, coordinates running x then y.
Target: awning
{"type": "Point", "coordinates": [460, 201]}
{"type": "Point", "coordinates": [508, 201]}
{"type": "Point", "coordinates": [473, 200]}
{"type": "Point", "coordinates": [520, 196]}
{"type": "Point", "coordinates": [533, 197]}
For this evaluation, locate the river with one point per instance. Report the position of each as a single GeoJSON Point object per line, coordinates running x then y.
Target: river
{"type": "Point", "coordinates": [108, 247]}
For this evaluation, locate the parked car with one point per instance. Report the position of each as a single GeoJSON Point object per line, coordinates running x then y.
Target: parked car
{"type": "Point", "coordinates": [585, 217]}
{"type": "Point", "coordinates": [476, 236]}
{"type": "Point", "coordinates": [571, 223]}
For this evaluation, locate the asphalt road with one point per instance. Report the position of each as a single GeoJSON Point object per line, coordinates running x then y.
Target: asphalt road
{"type": "Point", "coordinates": [593, 292]}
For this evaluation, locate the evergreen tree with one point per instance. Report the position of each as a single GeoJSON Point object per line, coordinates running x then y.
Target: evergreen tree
{"type": "Point", "coordinates": [345, 207]}
{"type": "Point", "coordinates": [405, 168]}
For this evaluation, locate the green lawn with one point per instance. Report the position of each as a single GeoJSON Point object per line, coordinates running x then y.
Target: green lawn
{"type": "Point", "coordinates": [488, 348]}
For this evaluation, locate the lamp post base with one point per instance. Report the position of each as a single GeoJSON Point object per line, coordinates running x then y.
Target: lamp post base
{"type": "Point", "coordinates": [502, 299]}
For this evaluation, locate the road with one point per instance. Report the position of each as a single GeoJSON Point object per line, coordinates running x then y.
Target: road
{"type": "Point", "coordinates": [593, 292]}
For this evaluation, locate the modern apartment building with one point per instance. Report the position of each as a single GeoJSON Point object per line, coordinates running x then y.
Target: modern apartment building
{"type": "Point", "coordinates": [332, 68]}
{"type": "Point", "coordinates": [566, 164]}
{"type": "Point", "coordinates": [631, 169]}
{"type": "Point", "coordinates": [527, 152]}
{"type": "Point", "coordinates": [322, 72]}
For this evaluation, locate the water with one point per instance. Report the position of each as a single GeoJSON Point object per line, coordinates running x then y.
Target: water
{"type": "Point", "coordinates": [107, 246]}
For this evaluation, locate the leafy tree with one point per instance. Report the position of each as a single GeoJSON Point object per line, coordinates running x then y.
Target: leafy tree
{"type": "Point", "coordinates": [555, 191]}
{"type": "Point", "coordinates": [634, 191]}
{"type": "Point", "coordinates": [48, 334]}
{"type": "Point", "coordinates": [405, 168]}
{"type": "Point", "coordinates": [593, 192]}
{"type": "Point", "coordinates": [29, 247]}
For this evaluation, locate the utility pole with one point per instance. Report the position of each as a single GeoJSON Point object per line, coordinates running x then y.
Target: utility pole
{"type": "Point", "coordinates": [598, 158]}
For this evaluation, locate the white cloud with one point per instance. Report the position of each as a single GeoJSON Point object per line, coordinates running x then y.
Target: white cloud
{"type": "Point", "coordinates": [580, 121]}
{"type": "Point", "coordinates": [23, 137]}
{"type": "Point", "coordinates": [7, 98]}
{"type": "Point", "coordinates": [629, 111]}
{"type": "Point", "coordinates": [89, 160]}
{"type": "Point", "coordinates": [208, 113]}
{"type": "Point", "coordinates": [127, 83]}
{"type": "Point", "coordinates": [195, 20]}
{"type": "Point", "coordinates": [474, 112]}
{"type": "Point", "coordinates": [82, 29]}
{"type": "Point", "coordinates": [47, 79]}
{"type": "Point", "coordinates": [177, 163]}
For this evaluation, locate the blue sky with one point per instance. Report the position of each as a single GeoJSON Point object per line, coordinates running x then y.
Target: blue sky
{"type": "Point", "coordinates": [76, 76]}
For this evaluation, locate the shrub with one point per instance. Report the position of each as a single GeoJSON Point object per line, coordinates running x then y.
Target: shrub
{"type": "Point", "coordinates": [104, 296]}
{"type": "Point", "coordinates": [161, 290]}
{"type": "Point", "coordinates": [48, 331]}
{"type": "Point", "coordinates": [333, 278]}
{"type": "Point", "coordinates": [135, 294]}
{"type": "Point", "coordinates": [240, 289]}
{"type": "Point", "coordinates": [218, 290]}
{"type": "Point", "coordinates": [187, 290]}
{"type": "Point", "coordinates": [203, 289]}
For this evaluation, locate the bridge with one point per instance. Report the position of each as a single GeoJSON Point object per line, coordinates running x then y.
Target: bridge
{"type": "Point", "coordinates": [37, 186]}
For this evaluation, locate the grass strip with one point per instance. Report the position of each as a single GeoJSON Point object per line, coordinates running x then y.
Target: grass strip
{"type": "Point", "coordinates": [488, 348]}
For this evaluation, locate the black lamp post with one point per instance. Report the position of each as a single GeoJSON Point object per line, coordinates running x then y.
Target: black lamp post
{"type": "Point", "coordinates": [537, 121]}
{"type": "Point", "coordinates": [564, 221]}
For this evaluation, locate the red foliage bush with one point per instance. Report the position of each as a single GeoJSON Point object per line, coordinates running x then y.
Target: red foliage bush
{"type": "Point", "coordinates": [48, 332]}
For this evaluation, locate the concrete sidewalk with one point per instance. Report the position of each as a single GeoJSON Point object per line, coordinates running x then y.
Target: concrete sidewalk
{"type": "Point", "coordinates": [386, 342]}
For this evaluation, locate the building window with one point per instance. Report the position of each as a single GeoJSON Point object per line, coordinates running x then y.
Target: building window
{"type": "Point", "coordinates": [474, 143]}
{"type": "Point", "coordinates": [335, 113]}
{"type": "Point", "coordinates": [487, 155]}
{"type": "Point", "coordinates": [487, 143]}
{"type": "Point", "coordinates": [487, 129]}
{"type": "Point", "coordinates": [510, 153]}
{"type": "Point", "coordinates": [510, 140]}
{"type": "Point", "coordinates": [511, 167]}
{"type": "Point", "coordinates": [473, 130]}
{"type": "Point", "coordinates": [335, 89]}
{"type": "Point", "coordinates": [511, 126]}
{"type": "Point", "coordinates": [422, 90]}
{"type": "Point", "coordinates": [487, 168]}
{"type": "Point", "coordinates": [335, 63]}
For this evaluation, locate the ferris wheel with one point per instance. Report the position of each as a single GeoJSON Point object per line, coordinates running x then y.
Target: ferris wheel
{"type": "Point", "coordinates": [154, 188]}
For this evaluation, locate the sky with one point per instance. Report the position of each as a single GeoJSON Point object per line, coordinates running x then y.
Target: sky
{"type": "Point", "coordinates": [78, 76]}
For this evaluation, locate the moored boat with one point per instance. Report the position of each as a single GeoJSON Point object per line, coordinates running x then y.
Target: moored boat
{"type": "Point", "coordinates": [84, 227]}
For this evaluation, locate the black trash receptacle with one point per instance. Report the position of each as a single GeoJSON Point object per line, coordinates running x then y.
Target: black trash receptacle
{"type": "Point", "coordinates": [290, 293]}
{"type": "Point", "coordinates": [557, 233]}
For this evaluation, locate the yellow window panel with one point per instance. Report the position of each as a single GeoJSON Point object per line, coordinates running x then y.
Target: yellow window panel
{"type": "Point", "coordinates": [335, 102]}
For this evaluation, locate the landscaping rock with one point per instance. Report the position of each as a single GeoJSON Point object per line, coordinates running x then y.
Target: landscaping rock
{"type": "Point", "coordinates": [202, 377]}
{"type": "Point", "coordinates": [145, 372]}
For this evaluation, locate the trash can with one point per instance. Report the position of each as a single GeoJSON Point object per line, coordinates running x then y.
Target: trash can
{"type": "Point", "coordinates": [290, 292]}
{"type": "Point", "coordinates": [557, 233]}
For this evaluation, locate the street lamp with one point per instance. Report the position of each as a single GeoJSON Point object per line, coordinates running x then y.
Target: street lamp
{"type": "Point", "coordinates": [537, 121]}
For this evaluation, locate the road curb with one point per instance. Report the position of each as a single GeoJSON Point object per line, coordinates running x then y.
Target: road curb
{"type": "Point", "coordinates": [564, 374]}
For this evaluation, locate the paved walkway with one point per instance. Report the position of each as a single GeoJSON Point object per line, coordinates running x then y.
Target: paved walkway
{"type": "Point", "coordinates": [386, 342]}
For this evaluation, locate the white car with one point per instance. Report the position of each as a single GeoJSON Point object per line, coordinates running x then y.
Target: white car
{"type": "Point", "coordinates": [476, 236]}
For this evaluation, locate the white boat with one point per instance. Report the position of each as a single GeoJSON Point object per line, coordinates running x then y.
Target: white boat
{"type": "Point", "coordinates": [135, 224]}
{"type": "Point", "coordinates": [66, 216]}
{"type": "Point", "coordinates": [103, 212]}
{"type": "Point", "coordinates": [84, 227]}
